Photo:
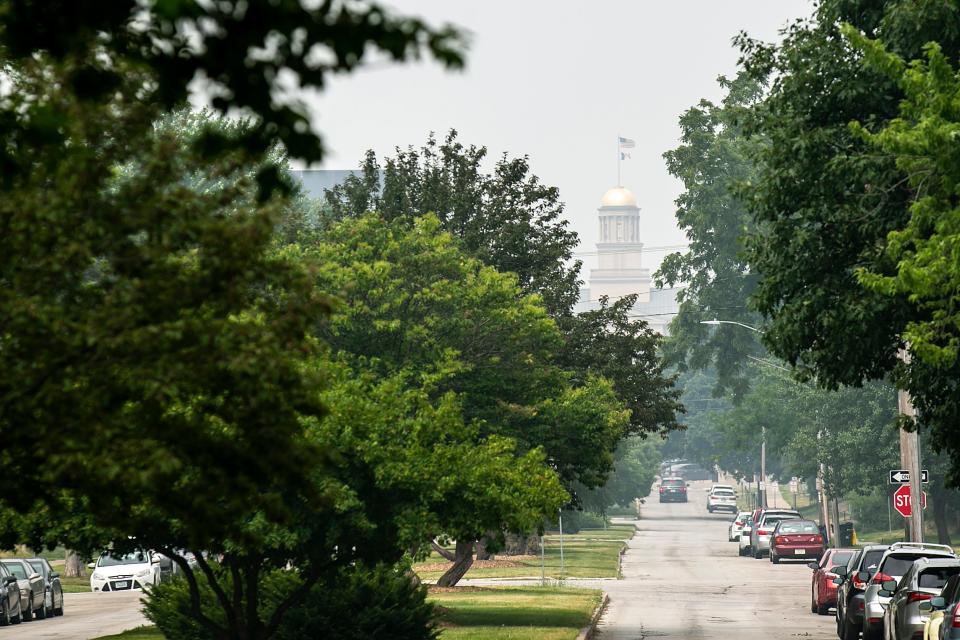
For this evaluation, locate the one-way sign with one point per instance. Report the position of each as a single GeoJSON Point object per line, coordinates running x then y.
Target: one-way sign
{"type": "Point", "coordinates": [902, 476]}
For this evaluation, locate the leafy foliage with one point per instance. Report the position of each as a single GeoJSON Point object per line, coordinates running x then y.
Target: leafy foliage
{"type": "Point", "coordinates": [713, 160]}
{"type": "Point", "coordinates": [507, 218]}
{"type": "Point", "coordinates": [253, 56]}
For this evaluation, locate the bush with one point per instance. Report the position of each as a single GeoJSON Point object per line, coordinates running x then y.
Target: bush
{"type": "Point", "coordinates": [574, 521]}
{"type": "Point", "coordinates": [357, 604]}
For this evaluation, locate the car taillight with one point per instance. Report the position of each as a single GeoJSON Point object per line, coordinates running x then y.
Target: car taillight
{"type": "Point", "coordinates": [737, 523]}
{"type": "Point", "coordinates": [661, 489]}
{"type": "Point", "coordinates": [916, 596]}
{"type": "Point", "coordinates": [763, 532]}
{"type": "Point", "coordinates": [818, 539]}
{"type": "Point", "coordinates": [684, 489]}
{"type": "Point", "coordinates": [956, 616]}
{"type": "Point", "coordinates": [859, 584]}
{"type": "Point", "coordinates": [779, 540]}
{"type": "Point", "coordinates": [880, 578]}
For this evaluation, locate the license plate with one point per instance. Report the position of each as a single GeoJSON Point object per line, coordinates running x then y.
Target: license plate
{"type": "Point", "coordinates": [122, 584]}
{"type": "Point", "coordinates": [799, 552]}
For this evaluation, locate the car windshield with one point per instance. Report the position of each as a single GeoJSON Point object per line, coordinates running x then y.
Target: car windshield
{"type": "Point", "coordinates": [17, 569]}
{"type": "Point", "coordinates": [800, 526]}
{"type": "Point", "coordinates": [138, 557]}
{"type": "Point", "coordinates": [673, 482]}
{"type": "Point", "coordinates": [936, 577]}
{"type": "Point", "coordinates": [897, 565]}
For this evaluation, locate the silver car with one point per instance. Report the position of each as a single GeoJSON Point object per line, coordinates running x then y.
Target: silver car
{"type": "Point", "coordinates": [736, 526]}
{"type": "Point", "coordinates": [903, 619]}
{"type": "Point", "coordinates": [760, 533]}
{"type": "Point", "coordinates": [893, 566]}
{"type": "Point", "coordinates": [32, 590]}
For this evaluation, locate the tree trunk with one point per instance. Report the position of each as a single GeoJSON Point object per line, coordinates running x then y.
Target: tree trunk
{"type": "Point", "coordinates": [939, 496]}
{"type": "Point", "coordinates": [463, 560]}
{"type": "Point", "coordinates": [74, 567]}
{"type": "Point", "coordinates": [482, 552]}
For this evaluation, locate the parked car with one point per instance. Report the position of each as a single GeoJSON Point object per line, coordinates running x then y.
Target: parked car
{"type": "Point", "coordinates": [137, 570]}
{"type": "Point", "coordinates": [795, 539]}
{"type": "Point", "coordinates": [760, 534]}
{"type": "Point", "coordinates": [722, 499]}
{"type": "Point", "coordinates": [53, 588]}
{"type": "Point", "coordinates": [903, 619]}
{"type": "Point", "coordinates": [673, 490]}
{"type": "Point", "coordinates": [823, 591]}
{"type": "Point", "coordinates": [895, 563]}
{"type": "Point", "coordinates": [851, 582]}
{"type": "Point", "coordinates": [943, 612]}
{"type": "Point", "coordinates": [31, 588]}
{"type": "Point", "coordinates": [736, 526]}
{"type": "Point", "coordinates": [745, 532]}
{"type": "Point", "coordinates": [11, 611]}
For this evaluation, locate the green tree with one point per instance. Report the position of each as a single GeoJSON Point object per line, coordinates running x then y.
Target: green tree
{"type": "Point", "coordinates": [507, 218]}
{"type": "Point", "coordinates": [412, 302]}
{"type": "Point", "coordinates": [712, 160]}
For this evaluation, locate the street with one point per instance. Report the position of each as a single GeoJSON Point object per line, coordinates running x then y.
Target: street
{"type": "Point", "coordinates": [683, 580]}
{"type": "Point", "coordinates": [86, 615]}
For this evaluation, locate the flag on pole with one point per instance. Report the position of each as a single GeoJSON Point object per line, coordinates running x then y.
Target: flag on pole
{"type": "Point", "coordinates": [627, 143]}
{"type": "Point", "coordinates": [624, 156]}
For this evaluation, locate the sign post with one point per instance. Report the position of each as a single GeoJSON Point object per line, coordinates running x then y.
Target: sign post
{"type": "Point", "coordinates": [902, 503]}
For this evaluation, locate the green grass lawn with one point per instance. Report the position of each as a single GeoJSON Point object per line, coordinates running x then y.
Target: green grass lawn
{"type": "Point", "coordinates": [514, 613]}
{"type": "Point", "coordinates": [75, 585]}
{"type": "Point", "coordinates": [591, 553]}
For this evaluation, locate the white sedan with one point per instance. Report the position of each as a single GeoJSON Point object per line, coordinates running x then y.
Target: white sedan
{"type": "Point", "coordinates": [135, 570]}
{"type": "Point", "coordinates": [736, 525]}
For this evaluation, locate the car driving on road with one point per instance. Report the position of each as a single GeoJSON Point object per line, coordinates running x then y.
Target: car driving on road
{"type": "Point", "coordinates": [673, 490]}
{"type": "Point", "coordinates": [124, 572]}
{"type": "Point", "coordinates": [31, 588]}
{"type": "Point", "coordinates": [895, 563]}
{"type": "Point", "coordinates": [903, 618]}
{"type": "Point", "coordinates": [823, 591]}
{"type": "Point", "coordinates": [11, 611]}
{"type": "Point", "coordinates": [763, 528]}
{"type": "Point", "coordinates": [53, 588]}
{"type": "Point", "coordinates": [851, 582]}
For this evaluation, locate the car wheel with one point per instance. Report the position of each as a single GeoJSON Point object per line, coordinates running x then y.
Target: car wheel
{"type": "Point", "coordinates": [46, 611]}
{"type": "Point", "coordinates": [823, 609]}
{"type": "Point", "coordinates": [774, 559]}
{"type": "Point", "coordinates": [4, 614]}
{"type": "Point", "coordinates": [27, 612]}
{"type": "Point", "coordinates": [58, 611]}
{"type": "Point", "coordinates": [871, 634]}
{"type": "Point", "coordinates": [757, 554]}
{"type": "Point", "coordinates": [17, 619]}
{"type": "Point", "coordinates": [850, 632]}
{"type": "Point", "coordinates": [813, 603]}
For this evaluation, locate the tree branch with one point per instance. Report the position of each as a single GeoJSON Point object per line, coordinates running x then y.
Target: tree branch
{"type": "Point", "coordinates": [309, 579]}
{"type": "Point", "coordinates": [218, 590]}
{"type": "Point", "coordinates": [195, 607]}
{"type": "Point", "coordinates": [449, 555]}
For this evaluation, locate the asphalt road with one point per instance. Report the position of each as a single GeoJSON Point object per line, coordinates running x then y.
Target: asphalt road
{"type": "Point", "coordinates": [683, 580]}
{"type": "Point", "coordinates": [85, 616]}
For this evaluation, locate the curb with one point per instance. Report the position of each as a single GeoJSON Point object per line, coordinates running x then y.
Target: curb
{"type": "Point", "coordinates": [588, 631]}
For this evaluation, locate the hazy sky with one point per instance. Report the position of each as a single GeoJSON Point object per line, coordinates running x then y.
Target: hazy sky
{"type": "Point", "coordinates": [558, 81]}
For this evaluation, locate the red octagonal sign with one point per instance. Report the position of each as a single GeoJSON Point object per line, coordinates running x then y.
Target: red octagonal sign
{"type": "Point", "coordinates": [901, 500]}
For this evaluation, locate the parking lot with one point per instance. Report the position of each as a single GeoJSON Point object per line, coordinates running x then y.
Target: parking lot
{"type": "Point", "coordinates": [86, 615]}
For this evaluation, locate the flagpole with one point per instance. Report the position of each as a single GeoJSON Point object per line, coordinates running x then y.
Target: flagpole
{"type": "Point", "coordinates": [619, 158]}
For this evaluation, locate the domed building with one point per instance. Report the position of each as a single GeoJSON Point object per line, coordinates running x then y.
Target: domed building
{"type": "Point", "coordinates": [620, 271]}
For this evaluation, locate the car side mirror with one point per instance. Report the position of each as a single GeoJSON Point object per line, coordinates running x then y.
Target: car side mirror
{"type": "Point", "coordinates": [863, 576]}
{"type": "Point", "coordinates": [883, 593]}
{"type": "Point", "coordinates": [925, 607]}
{"type": "Point", "coordinates": [838, 581]}
{"type": "Point", "coordinates": [54, 574]}
{"type": "Point", "coordinates": [889, 585]}
{"type": "Point", "coordinates": [840, 571]}
{"type": "Point", "coordinates": [813, 565]}
{"type": "Point", "coordinates": [938, 603]}
{"type": "Point", "coordinates": [34, 576]}
{"type": "Point", "coordinates": [91, 565]}
{"type": "Point", "coordinates": [9, 580]}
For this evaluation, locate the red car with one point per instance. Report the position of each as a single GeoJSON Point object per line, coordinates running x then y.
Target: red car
{"type": "Point", "coordinates": [823, 593]}
{"type": "Point", "coordinates": [795, 539]}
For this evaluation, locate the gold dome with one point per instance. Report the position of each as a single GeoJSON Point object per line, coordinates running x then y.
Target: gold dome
{"type": "Point", "coordinates": [618, 197]}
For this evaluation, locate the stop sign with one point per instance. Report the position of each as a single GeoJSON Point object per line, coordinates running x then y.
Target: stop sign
{"type": "Point", "coordinates": [901, 500]}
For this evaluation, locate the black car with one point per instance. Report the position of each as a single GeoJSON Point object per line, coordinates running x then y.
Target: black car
{"type": "Point", "coordinates": [10, 610]}
{"type": "Point", "coordinates": [949, 602]}
{"type": "Point", "coordinates": [851, 582]}
{"type": "Point", "coordinates": [673, 490]}
{"type": "Point", "coordinates": [53, 596]}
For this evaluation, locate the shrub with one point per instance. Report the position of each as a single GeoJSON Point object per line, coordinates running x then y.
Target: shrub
{"type": "Point", "coordinates": [357, 604]}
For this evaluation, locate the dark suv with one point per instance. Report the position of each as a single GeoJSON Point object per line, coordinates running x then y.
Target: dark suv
{"type": "Point", "coordinates": [673, 490]}
{"type": "Point", "coordinates": [851, 583]}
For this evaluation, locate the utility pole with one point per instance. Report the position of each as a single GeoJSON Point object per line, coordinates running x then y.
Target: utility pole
{"type": "Point", "coordinates": [910, 459]}
{"type": "Point", "coordinates": [822, 498]}
{"type": "Point", "coordinates": [763, 466]}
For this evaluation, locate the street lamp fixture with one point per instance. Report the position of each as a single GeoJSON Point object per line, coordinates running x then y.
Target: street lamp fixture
{"type": "Point", "coordinates": [739, 324]}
